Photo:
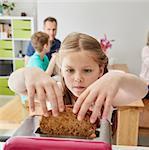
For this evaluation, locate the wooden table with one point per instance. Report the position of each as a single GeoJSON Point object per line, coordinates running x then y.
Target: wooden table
{"type": "Point", "coordinates": [128, 123]}
{"type": "Point", "coordinates": [128, 117]}
{"type": "Point", "coordinates": [122, 67]}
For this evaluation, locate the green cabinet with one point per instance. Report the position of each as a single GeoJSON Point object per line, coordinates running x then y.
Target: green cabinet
{"type": "Point", "coordinates": [3, 82]}
{"type": "Point", "coordinates": [4, 89]}
{"type": "Point", "coordinates": [22, 33]}
{"type": "Point", "coordinates": [22, 28]}
{"type": "Point", "coordinates": [19, 64]}
{"type": "Point", "coordinates": [6, 44]}
{"type": "Point", "coordinates": [15, 34]}
{"type": "Point", "coordinates": [21, 24]}
{"type": "Point", "coordinates": [6, 53]}
{"type": "Point", "coordinates": [6, 48]}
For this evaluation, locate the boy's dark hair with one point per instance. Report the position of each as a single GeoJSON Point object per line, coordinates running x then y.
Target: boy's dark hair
{"type": "Point", "coordinates": [50, 19]}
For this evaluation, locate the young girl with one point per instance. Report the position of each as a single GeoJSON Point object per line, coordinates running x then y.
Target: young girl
{"type": "Point", "coordinates": [86, 82]}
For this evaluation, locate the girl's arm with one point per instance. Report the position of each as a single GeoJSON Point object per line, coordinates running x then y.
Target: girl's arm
{"type": "Point", "coordinates": [52, 63]}
{"type": "Point", "coordinates": [114, 88]}
{"type": "Point", "coordinates": [16, 82]}
{"type": "Point", "coordinates": [35, 82]}
{"type": "Point", "coordinates": [130, 88]}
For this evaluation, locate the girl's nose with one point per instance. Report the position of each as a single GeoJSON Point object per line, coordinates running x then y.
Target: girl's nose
{"type": "Point", "coordinates": [78, 77]}
{"type": "Point", "coordinates": [77, 80]}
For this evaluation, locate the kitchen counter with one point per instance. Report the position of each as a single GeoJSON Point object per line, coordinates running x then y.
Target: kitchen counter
{"type": "Point", "coordinates": [118, 147]}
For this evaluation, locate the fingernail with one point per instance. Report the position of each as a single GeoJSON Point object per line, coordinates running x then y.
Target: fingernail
{"type": "Point", "coordinates": [79, 118]}
{"type": "Point", "coordinates": [74, 111]}
{"type": "Point", "coordinates": [61, 109]}
{"type": "Point", "coordinates": [46, 115]}
{"type": "Point", "coordinates": [92, 120]}
{"type": "Point", "coordinates": [55, 114]}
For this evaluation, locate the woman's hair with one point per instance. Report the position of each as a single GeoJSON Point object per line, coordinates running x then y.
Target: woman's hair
{"type": "Point", "coordinates": [39, 39]}
{"type": "Point", "coordinates": [147, 39]}
{"type": "Point", "coordinates": [78, 42]}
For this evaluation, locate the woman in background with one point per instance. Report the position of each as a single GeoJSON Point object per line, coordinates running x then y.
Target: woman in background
{"type": "Point", "coordinates": [145, 64]}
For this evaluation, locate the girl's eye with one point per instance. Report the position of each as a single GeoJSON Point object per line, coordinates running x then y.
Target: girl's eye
{"type": "Point", "coordinates": [70, 70]}
{"type": "Point", "coordinates": [88, 70]}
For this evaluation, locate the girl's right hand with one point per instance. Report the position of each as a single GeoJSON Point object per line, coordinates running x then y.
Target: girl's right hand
{"type": "Point", "coordinates": [45, 88]}
{"type": "Point", "coordinates": [36, 84]}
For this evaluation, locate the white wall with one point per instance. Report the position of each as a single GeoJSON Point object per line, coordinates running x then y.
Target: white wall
{"type": "Point", "coordinates": [127, 22]}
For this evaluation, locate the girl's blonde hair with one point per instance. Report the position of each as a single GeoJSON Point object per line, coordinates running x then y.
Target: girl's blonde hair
{"type": "Point", "coordinates": [79, 41]}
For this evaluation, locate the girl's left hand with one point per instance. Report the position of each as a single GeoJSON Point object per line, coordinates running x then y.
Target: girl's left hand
{"type": "Point", "coordinates": [100, 93]}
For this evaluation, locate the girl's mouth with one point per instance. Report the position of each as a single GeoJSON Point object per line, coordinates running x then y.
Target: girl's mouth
{"type": "Point", "coordinates": [78, 88]}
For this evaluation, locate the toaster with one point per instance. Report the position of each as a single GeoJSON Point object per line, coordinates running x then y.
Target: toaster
{"type": "Point", "coordinates": [29, 137]}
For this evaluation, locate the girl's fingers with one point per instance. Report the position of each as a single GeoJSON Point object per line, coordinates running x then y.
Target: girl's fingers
{"type": "Point", "coordinates": [79, 101]}
{"type": "Point", "coordinates": [52, 98]}
{"type": "Point", "coordinates": [85, 105]}
{"type": "Point", "coordinates": [59, 97]}
{"type": "Point", "coordinates": [97, 108]}
{"type": "Point", "coordinates": [41, 97]}
{"type": "Point", "coordinates": [31, 95]}
{"type": "Point", "coordinates": [107, 107]}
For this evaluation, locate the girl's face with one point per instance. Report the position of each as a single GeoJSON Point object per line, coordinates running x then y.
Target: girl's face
{"type": "Point", "coordinates": [79, 70]}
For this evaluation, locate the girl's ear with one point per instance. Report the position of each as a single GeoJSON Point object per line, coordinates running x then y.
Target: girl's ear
{"type": "Point", "coordinates": [101, 70]}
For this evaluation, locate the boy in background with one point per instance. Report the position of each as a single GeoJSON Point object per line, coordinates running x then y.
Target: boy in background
{"type": "Point", "coordinates": [39, 59]}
